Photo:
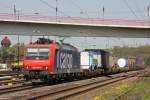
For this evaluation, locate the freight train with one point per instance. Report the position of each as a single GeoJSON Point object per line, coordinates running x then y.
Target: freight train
{"type": "Point", "coordinates": [48, 60]}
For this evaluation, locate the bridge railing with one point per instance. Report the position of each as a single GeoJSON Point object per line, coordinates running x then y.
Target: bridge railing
{"type": "Point", "coordinates": [74, 20]}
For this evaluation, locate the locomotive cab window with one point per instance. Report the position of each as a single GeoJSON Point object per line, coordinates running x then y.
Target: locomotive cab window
{"type": "Point", "coordinates": [38, 53]}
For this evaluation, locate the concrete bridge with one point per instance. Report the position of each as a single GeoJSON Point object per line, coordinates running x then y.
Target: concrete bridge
{"type": "Point", "coordinates": [11, 24]}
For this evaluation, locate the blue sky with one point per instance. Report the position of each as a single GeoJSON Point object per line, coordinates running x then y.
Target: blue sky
{"type": "Point", "coordinates": [114, 9]}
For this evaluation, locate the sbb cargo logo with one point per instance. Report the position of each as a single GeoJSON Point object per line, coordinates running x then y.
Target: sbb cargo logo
{"type": "Point", "coordinates": [66, 60]}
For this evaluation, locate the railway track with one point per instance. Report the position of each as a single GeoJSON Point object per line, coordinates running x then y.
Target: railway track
{"type": "Point", "coordinates": [69, 90]}
{"type": "Point", "coordinates": [65, 93]}
{"type": "Point", "coordinates": [20, 87]}
{"type": "Point", "coordinates": [79, 89]}
{"type": "Point", "coordinates": [13, 82]}
{"type": "Point", "coordinates": [15, 79]}
{"type": "Point", "coordinates": [76, 89]}
{"type": "Point", "coordinates": [14, 89]}
{"type": "Point", "coordinates": [7, 74]}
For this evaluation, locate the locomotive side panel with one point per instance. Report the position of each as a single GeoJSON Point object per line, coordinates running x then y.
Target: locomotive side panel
{"type": "Point", "coordinates": [67, 61]}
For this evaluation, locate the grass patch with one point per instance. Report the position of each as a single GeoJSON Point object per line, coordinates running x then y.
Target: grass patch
{"type": "Point", "coordinates": [139, 90]}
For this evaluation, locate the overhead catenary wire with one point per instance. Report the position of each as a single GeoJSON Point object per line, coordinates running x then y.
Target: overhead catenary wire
{"type": "Point", "coordinates": [103, 9]}
{"type": "Point", "coordinates": [132, 11]}
{"type": "Point", "coordinates": [52, 7]}
{"type": "Point", "coordinates": [82, 10]}
{"type": "Point", "coordinates": [148, 12]}
{"type": "Point", "coordinates": [138, 8]}
{"type": "Point", "coordinates": [58, 11]}
{"type": "Point", "coordinates": [99, 9]}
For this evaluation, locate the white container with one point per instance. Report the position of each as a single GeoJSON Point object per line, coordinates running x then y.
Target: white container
{"type": "Point", "coordinates": [90, 59]}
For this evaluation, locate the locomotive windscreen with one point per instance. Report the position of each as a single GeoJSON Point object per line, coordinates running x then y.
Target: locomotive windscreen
{"type": "Point", "coordinates": [37, 53]}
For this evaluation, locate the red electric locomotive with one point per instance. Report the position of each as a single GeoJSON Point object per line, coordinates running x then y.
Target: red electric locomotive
{"type": "Point", "coordinates": [46, 60]}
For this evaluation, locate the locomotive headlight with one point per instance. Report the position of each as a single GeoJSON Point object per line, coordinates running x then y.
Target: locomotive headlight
{"type": "Point", "coordinates": [46, 67]}
{"type": "Point", "coordinates": [27, 67]}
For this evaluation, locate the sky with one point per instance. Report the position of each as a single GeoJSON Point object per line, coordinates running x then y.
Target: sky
{"type": "Point", "coordinates": [113, 9]}
{"type": "Point", "coordinates": [107, 9]}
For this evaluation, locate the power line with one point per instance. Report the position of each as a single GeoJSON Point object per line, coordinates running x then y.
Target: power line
{"type": "Point", "coordinates": [82, 11]}
{"type": "Point", "coordinates": [138, 8]}
{"type": "Point", "coordinates": [52, 7]}
{"type": "Point", "coordinates": [56, 9]}
{"type": "Point", "coordinates": [15, 10]}
{"type": "Point", "coordinates": [103, 9]}
{"type": "Point", "coordinates": [148, 12]}
{"type": "Point", "coordinates": [99, 10]}
{"type": "Point", "coordinates": [125, 1]}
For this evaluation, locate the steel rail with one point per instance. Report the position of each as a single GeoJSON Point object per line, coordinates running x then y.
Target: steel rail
{"type": "Point", "coordinates": [54, 92]}
{"type": "Point", "coordinates": [12, 81]}
{"type": "Point", "coordinates": [75, 90]}
{"type": "Point", "coordinates": [21, 87]}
